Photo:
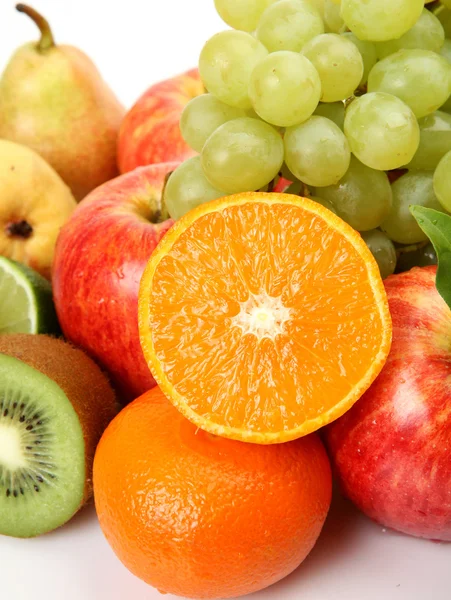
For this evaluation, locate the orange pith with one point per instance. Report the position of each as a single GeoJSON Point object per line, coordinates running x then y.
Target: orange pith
{"type": "Point", "coordinates": [263, 317]}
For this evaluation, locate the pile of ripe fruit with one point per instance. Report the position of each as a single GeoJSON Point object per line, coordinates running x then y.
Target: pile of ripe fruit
{"type": "Point", "coordinates": [246, 282]}
{"type": "Point", "coordinates": [342, 104]}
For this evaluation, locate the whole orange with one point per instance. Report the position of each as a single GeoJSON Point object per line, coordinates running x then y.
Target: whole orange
{"type": "Point", "coordinates": [201, 516]}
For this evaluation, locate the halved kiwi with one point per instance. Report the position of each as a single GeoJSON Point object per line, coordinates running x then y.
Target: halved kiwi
{"type": "Point", "coordinates": [55, 404]}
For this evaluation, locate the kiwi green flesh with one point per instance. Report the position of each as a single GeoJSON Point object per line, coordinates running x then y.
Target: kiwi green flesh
{"type": "Point", "coordinates": [42, 452]}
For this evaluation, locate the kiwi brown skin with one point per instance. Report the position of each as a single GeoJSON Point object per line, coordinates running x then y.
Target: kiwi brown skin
{"type": "Point", "coordinates": [84, 384]}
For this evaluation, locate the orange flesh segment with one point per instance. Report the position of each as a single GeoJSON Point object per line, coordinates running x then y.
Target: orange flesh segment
{"type": "Point", "coordinates": [266, 321]}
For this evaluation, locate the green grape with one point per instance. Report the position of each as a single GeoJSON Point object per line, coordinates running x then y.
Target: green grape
{"type": "Point", "coordinates": [380, 20]}
{"type": "Point", "coordinates": [187, 187]}
{"type": "Point", "coordinates": [446, 3]}
{"type": "Point", "coordinates": [252, 114]}
{"type": "Point", "coordinates": [421, 78]}
{"type": "Point", "coordinates": [317, 152]}
{"type": "Point", "coordinates": [285, 88]}
{"type": "Point", "coordinates": [242, 14]}
{"type": "Point", "coordinates": [324, 203]}
{"type": "Point", "coordinates": [435, 142]}
{"type": "Point", "coordinates": [411, 256]}
{"type": "Point", "coordinates": [288, 25]}
{"type": "Point", "coordinates": [446, 52]}
{"type": "Point", "coordinates": [335, 111]}
{"type": "Point", "coordinates": [362, 198]}
{"type": "Point", "coordinates": [382, 131]}
{"type": "Point", "coordinates": [226, 63]}
{"type": "Point", "coordinates": [319, 4]}
{"type": "Point", "coordinates": [444, 16]}
{"type": "Point", "coordinates": [442, 182]}
{"type": "Point", "coordinates": [286, 173]}
{"type": "Point", "coordinates": [296, 188]}
{"type": "Point", "coordinates": [426, 34]}
{"type": "Point", "coordinates": [203, 115]}
{"type": "Point", "coordinates": [339, 64]}
{"type": "Point", "coordinates": [415, 187]}
{"type": "Point", "coordinates": [368, 52]}
{"type": "Point", "coordinates": [383, 251]}
{"type": "Point", "coordinates": [242, 155]}
{"type": "Point", "coordinates": [332, 17]}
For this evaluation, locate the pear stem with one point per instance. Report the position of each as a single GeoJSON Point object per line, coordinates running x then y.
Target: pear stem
{"type": "Point", "coordinates": [47, 40]}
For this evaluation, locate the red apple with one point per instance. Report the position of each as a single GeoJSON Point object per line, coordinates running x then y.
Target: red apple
{"type": "Point", "coordinates": [392, 450]}
{"type": "Point", "coordinates": [282, 185]}
{"type": "Point", "coordinates": [150, 132]}
{"type": "Point", "coordinates": [100, 255]}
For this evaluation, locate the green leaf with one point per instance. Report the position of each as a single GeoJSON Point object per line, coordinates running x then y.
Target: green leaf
{"type": "Point", "coordinates": [437, 226]}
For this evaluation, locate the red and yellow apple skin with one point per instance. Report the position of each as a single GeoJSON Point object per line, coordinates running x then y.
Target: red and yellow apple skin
{"type": "Point", "coordinates": [150, 132]}
{"type": "Point", "coordinates": [100, 256]}
{"type": "Point", "coordinates": [392, 450]}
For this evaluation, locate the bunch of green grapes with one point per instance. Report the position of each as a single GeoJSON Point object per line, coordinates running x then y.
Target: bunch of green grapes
{"type": "Point", "coordinates": [349, 101]}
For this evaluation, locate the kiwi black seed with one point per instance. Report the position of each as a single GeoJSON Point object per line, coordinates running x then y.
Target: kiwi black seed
{"type": "Point", "coordinates": [55, 404]}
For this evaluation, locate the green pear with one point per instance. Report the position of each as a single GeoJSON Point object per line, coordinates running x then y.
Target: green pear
{"type": "Point", "coordinates": [53, 99]}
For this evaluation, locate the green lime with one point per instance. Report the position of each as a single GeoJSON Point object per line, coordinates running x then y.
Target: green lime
{"type": "Point", "coordinates": [26, 303]}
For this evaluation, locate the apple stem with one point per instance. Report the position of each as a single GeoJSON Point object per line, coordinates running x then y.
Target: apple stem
{"type": "Point", "coordinates": [47, 40]}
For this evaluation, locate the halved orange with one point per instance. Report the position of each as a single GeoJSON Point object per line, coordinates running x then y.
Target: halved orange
{"type": "Point", "coordinates": [263, 317]}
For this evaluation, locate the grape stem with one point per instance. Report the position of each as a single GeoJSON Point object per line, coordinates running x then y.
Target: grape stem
{"type": "Point", "coordinates": [412, 248]}
{"type": "Point", "coordinates": [305, 191]}
{"type": "Point", "coordinates": [349, 101]}
{"type": "Point", "coordinates": [436, 8]}
{"type": "Point", "coordinates": [361, 90]}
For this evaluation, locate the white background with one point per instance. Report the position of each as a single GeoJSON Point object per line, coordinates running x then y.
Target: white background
{"type": "Point", "coordinates": [136, 43]}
